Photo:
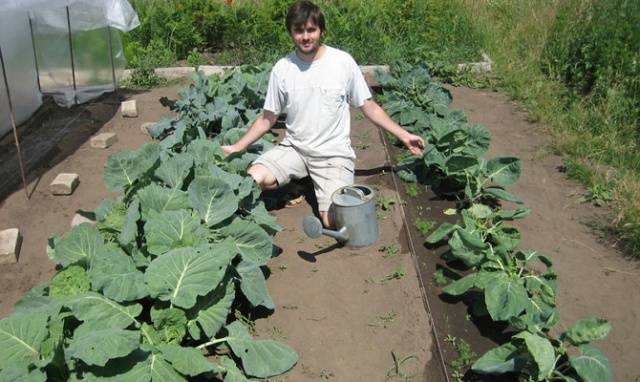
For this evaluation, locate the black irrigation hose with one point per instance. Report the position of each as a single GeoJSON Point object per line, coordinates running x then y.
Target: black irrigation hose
{"type": "Point", "coordinates": [423, 292]}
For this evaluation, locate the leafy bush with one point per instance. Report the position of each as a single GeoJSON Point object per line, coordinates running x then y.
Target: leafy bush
{"type": "Point", "coordinates": [147, 293]}
{"type": "Point", "coordinates": [250, 32]}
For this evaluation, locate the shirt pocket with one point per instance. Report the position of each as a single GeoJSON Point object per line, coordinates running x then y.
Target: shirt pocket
{"type": "Point", "coordinates": [332, 99]}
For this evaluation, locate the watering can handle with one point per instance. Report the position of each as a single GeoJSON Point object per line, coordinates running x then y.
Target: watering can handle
{"type": "Point", "coordinates": [353, 191]}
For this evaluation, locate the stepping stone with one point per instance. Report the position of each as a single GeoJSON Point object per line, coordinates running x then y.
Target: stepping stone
{"type": "Point", "coordinates": [104, 140]}
{"type": "Point", "coordinates": [64, 184]}
{"type": "Point", "coordinates": [129, 109]}
{"type": "Point", "coordinates": [79, 219]}
{"type": "Point", "coordinates": [146, 126]}
{"type": "Point", "coordinates": [10, 241]}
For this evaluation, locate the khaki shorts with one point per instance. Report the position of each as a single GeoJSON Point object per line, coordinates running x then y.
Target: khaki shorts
{"type": "Point", "coordinates": [327, 174]}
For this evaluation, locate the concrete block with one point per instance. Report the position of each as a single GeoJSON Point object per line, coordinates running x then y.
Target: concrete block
{"type": "Point", "coordinates": [10, 242]}
{"type": "Point", "coordinates": [79, 219]}
{"type": "Point", "coordinates": [174, 73]}
{"type": "Point", "coordinates": [104, 140]}
{"type": "Point", "coordinates": [210, 70]}
{"type": "Point", "coordinates": [64, 184]}
{"type": "Point", "coordinates": [146, 126]}
{"type": "Point", "coordinates": [369, 72]}
{"type": "Point", "coordinates": [129, 109]}
{"type": "Point", "coordinates": [476, 67]}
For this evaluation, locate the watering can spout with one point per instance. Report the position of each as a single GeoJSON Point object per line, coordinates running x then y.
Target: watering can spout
{"type": "Point", "coordinates": [313, 228]}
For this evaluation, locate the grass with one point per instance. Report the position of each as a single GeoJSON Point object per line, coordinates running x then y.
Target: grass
{"type": "Point", "coordinates": [593, 130]}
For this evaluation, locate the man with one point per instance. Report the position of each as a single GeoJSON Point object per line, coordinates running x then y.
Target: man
{"type": "Point", "coordinates": [314, 86]}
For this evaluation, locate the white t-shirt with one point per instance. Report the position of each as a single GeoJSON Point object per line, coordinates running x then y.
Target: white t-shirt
{"type": "Point", "coordinates": [316, 97]}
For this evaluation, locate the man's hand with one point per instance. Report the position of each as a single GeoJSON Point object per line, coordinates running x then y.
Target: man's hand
{"type": "Point", "coordinates": [230, 149]}
{"type": "Point", "coordinates": [413, 142]}
{"type": "Point", "coordinates": [379, 117]}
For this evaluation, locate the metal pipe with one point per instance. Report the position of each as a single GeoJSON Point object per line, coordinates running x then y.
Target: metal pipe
{"type": "Point", "coordinates": [113, 66]}
{"type": "Point", "coordinates": [73, 68]}
{"type": "Point", "coordinates": [13, 125]}
{"type": "Point", "coordinates": [35, 56]}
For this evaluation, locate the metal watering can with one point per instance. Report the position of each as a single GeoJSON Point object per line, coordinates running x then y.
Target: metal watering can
{"type": "Point", "coordinates": [354, 213]}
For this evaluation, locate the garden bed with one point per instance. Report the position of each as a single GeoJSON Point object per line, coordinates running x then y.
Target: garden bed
{"type": "Point", "coordinates": [345, 311]}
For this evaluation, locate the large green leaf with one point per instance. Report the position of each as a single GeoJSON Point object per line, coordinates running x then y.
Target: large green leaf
{"type": "Point", "coordinates": [501, 194]}
{"type": "Point", "coordinates": [260, 358]}
{"type": "Point", "coordinates": [148, 367]}
{"type": "Point", "coordinates": [125, 168]}
{"type": "Point", "coordinates": [253, 284]}
{"type": "Point", "coordinates": [251, 241]}
{"type": "Point", "coordinates": [99, 311]}
{"type": "Point", "coordinates": [468, 247]}
{"type": "Point", "coordinates": [231, 371]}
{"type": "Point", "coordinates": [21, 371]}
{"type": "Point", "coordinates": [592, 365]}
{"type": "Point", "coordinates": [474, 280]}
{"type": "Point", "coordinates": [587, 330]}
{"type": "Point", "coordinates": [130, 226]}
{"type": "Point", "coordinates": [211, 311]}
{"type": "Point", "coordinates": [542, 352]}
{"type": "Point", "coordinates": [205, 151]}
{"type": "Point", "coordinates": [172, 229]}
{"type": "Point", "coordinates": [21, 337]}
{"type": "Point", "coordinates": [443, 230]}
{"type": "Point", "coordinates": [174, 170]}
{"type": "Point", "coordinates": [160, 199]}
{"type": "Point", "coordinates": [188, 361]}
{"type": "Point", "coordinates": [213, 198]}
{"type": "Point", "coordinates": [183, 274]}
{"type": "Point", "coordinates": [114, 273]}
{"type": "Point", "coordinates": [504, 170]}
{"type": "Point", "coordinates": [505, 297]}
{"type": "Point", "coordinates": [97, 346]}
{"type": "Point", "coordinates": [78, 244]}
{"type": "Point", "coordinates": [459, 164]}
{"type": "Point", "coordinates": [503, 359]}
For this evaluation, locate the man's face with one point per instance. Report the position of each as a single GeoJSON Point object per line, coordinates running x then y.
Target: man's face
{"type": "Point", "coordinates": [306, 37]}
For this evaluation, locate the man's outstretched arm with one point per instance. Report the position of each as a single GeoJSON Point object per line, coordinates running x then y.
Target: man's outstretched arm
{"type": "Point", "coordinates": [380, 118]}
{"type": "Point", "coordinates": [260, 126]}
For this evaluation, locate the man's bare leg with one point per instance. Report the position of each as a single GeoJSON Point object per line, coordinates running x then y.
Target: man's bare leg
{"type": "Point", "coordinates": [327, 219]}
{"type": "Point", "coordinates": [263, 176]}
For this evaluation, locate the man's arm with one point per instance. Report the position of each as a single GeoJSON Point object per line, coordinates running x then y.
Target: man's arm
{"type": "Point", "coordinates": [260, 126]}
{"type": "Point", "coordinates": [379, 117]}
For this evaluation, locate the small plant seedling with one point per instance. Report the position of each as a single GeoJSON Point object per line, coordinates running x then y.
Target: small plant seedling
{"type": "Point", "coordinates": [439, 278]}
{"type": "Point", "coordinates": [389, 250]}
{"type": "Point", "coordinates": [283, 267]}
{"type": "Point", "coordinates": [599, 194]}
{"type": "Point", "coordinates": [384, 320]}
{"type": "Point", "coordinates": [411, 189]}
{"type": "Point", "coordinates": [396, 274]}
{"type": "Point", "coordinates": [247, 321]}
{"type": "Point", "coordinates": [314, 270]}
{"type": "Point", "coordinates": [362, 146]}
{"type": "Point", "coordinates": [385, 202]}
{"type": "Point", "coordinates": [466, 356]}
{"type": "Point", "coordinates": [424, 226]}
{"type": "Point", "coordinates": [396, 371]}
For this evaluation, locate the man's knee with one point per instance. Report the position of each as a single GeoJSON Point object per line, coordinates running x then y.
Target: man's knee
{"type": "Point", "coordinates": [263, 176]}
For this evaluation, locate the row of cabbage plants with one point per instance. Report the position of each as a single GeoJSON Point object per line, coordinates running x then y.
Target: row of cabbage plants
{"type": "Point", "coordinates": [150, 292]}
{"type": "Point", "coordinates": [508, 284]}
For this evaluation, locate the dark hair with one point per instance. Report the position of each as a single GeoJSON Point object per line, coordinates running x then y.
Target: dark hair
{"type": "Point", "coordinates": [304, 10]}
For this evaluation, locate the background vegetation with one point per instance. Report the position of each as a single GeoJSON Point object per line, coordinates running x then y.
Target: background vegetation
{"type": "Point", "coordinates": [574, 64]}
